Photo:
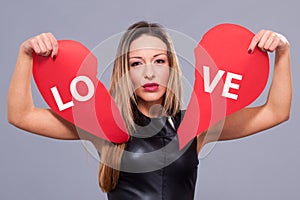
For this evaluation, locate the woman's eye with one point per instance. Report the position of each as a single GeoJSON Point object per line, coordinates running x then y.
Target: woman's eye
{"type": "Point", "coordinates": [135, 64]}
{"type": "Point", "coordinates": [160, 61]}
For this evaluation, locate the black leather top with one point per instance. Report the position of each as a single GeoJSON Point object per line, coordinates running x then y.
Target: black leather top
{"type": "Point", "coordinates": [152, 166]}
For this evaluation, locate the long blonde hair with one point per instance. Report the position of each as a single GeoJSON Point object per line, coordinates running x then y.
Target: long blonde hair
{"type": "Point", "coordinates": [122, 91]}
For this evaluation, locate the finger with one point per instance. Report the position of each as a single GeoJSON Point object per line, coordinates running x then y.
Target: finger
{"type": "Point", "coordinates": [269, 41]}
{"type": "Point", "coordinates": [46, 40]}
{"type": "Point", "coordinates": [276, 42]}
{"type": "Point", "coordinates": [41, 44]}
{"type": "Point", "coordinates": [46, 44]}
{"type": "Point", "coordinates": [263, 40]}
{"type": "Point", "coordinates": [44, 50]}
{"type": "Point", "coordinates": [54, 45]}
{"type": "Point", "coordinates": [35, 46]}
{"type": "Point", "coordinates": [255, 41]}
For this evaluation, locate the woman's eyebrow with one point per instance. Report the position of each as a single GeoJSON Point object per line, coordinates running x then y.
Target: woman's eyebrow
{"type": "Point", "coordinates": [159, 54]}
{"type": "Point", "coordinates": [139, 57]}
{"type": "Point", "coordinates": [135, 57]}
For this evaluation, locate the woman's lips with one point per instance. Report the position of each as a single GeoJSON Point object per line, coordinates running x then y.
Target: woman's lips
{"type": "Point", "coordinates": [151, 87]}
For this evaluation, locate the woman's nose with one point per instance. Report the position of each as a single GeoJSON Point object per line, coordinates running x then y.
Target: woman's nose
{"type": "Point", "coordinates": [149, 72]}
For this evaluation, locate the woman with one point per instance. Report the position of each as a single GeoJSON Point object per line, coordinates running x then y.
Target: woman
{"type": "Point", "coordinates": [147, 67]}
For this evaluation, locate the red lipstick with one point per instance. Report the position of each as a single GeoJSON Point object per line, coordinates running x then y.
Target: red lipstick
{"type": "Point", "coordinates": [151, 87]}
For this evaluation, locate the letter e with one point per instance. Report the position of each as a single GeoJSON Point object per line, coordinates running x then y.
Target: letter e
{"type": "Point", "coordinates": [228, 84]}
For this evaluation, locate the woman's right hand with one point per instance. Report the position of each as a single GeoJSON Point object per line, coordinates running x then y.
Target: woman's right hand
{"type": "Point", "coordinates": [44, 44]}
{"type": "Point", "coordinates": [21, 111]}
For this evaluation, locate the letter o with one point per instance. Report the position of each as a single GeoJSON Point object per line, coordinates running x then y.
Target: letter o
{"type": "Point", "coordinates": [88, 82]}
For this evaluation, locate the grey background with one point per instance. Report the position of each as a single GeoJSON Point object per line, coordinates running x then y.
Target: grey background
{"type": "Point", "coordinates": [263, 166]}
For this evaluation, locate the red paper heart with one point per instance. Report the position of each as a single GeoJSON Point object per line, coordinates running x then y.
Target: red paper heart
{"type": "Point", "coordinates": [224, 47]}
{"type": "Point", "coordinates": [95, 112]}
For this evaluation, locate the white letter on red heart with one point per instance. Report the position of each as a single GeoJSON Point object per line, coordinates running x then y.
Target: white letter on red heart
{"type": "Point", "coordinates": [228, 84]}
{"type": "Point", "coordinates": [61, 106]}
{"type": "Point", "coordinates": [91, 89]}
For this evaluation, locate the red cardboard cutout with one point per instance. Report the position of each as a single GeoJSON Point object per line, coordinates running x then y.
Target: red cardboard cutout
{"type": "Point", "coordinates": [87, 104]}
{"type": "Point", "coordinates": [223, 50]}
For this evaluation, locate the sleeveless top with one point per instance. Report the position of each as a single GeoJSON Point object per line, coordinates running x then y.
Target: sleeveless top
{"type": "Point", "coordinates": [152, 166]}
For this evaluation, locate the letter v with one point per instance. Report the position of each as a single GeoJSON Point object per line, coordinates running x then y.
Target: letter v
{"type": "Point", "coordinates": [207, 86]}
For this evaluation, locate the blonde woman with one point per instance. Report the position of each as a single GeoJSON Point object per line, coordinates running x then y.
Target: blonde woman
{"type": "Point", "coordinates": [146, 85]}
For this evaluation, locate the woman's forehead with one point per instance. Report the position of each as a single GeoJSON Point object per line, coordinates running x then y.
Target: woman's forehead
{"type": "Point", "coordinates": [147, 42]}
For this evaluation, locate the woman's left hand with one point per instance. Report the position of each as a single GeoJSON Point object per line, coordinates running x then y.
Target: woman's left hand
{"type": "Point", "coordinates": [268, 41]}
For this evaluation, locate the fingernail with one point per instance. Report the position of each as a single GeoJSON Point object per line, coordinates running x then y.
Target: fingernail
{"type": "Point", "coordinates": [54, 57]}
{"type": "Point", "coordinates": [250, 51]}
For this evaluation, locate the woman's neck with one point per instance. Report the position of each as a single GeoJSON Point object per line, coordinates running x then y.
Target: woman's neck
{"type": "Point", "coordinates": [153, 109]}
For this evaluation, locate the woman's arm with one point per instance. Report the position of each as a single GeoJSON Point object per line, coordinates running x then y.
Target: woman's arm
{"type": "Point", "coordinates": [277, 107]}
{"type": "Point", "coordinates": [21, 110]}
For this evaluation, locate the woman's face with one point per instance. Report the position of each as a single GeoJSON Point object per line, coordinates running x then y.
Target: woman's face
{"type": "Point", "coordinates": [149, 69]}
